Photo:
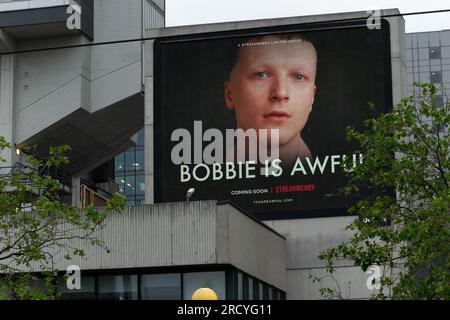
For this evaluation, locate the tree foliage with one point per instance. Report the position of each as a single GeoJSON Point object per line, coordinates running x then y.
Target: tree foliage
{"type": "Point", "coordinates": [404, 227]}
{"type": "Point", "coordinates": [36, 226]}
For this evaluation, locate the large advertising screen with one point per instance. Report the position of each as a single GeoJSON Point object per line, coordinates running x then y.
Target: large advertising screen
{"type": "Point", "coordinates": [258, 117]}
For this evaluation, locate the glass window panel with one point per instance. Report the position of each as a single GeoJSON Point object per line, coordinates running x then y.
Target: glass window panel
{"type": "Point", "coordinates": [129, 160]}
{"type": "Point", "coordinates": [119, 162]}
{"type": "Point", "coordinates": [275, 294]}
{"type": "Point", "coordinates": [269, 293]}
{"type": "Point", "coordinates": [161, 286]}
{"type": "Point", "coordinates": [436, 68]}
{"type": "Point", "coordinates": [266, 292]}
{"type": "Point", "coordinates": [140, 185]}
{"type": "Point", "coordinates": [130, 185]}
{"type": "Point", "coordinates": [424, 63]}
{"type": "Point", "coordinates": [139, 163]}
{"type": "Point", "coordinates": [445, 38]}
{"type": "Point", "coordinates": [240, 286]}
{"type": "Point", "coordinates": [195, 280]}
{"type": "Point", "coordinates": [435, 53]}
{"type": "Point", "coordinates": [122, 287]}
{"type": "Point", "coordinates": [140, 137]}
{"type": "Point", "coordinates": [445, 52]}
{"type": "Point", "coordinates": [435, 62]}
{"type": "Point", "coordinates": [435, 77]}
{"type": "Point", "coordinates": [261, 291]}
{"type": "Point", "coordinates": [120, 180]}
{"type": "Point", "coordinates": [424, 77]}
{"type": "Point", "coordinates": [414, 40]}
{"type": "Point", "coordinates": [446, 76]}
{"type": "Point", "coordinates": [86, 292]}
{"type": "Point", "coordinates": [423, 40]}
{"type": "Point", "coordinates": [434, 39]}
{"type": "Point", "coordinates": [409, 55]}
{"type": "Point", "coordinates": [250, 289]}
{"type": "Point", "coordinates": [424, 54]}
{"type": "Point", "coordinates": [408, 40]}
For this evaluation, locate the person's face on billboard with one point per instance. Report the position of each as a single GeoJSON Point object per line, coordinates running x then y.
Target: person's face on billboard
{"type": "Point", "coordinates": [272, 86]}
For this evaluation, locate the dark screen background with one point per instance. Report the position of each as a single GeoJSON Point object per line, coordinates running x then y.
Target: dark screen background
{"type": "Point", "coordinates": [353, 70]}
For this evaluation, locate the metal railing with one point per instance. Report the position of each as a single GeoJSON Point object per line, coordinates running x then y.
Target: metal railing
{"type": "Point", "coordinates": [24, 172]}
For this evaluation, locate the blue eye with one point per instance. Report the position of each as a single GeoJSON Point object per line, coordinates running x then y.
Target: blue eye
{"type": "Point", "coordinates": [260, 74]}
{"type": "Point", "coordinates": [299, 76]}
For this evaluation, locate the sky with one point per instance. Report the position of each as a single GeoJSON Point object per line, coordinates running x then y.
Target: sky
{"type": "Point", "coordinates": [187, 12]}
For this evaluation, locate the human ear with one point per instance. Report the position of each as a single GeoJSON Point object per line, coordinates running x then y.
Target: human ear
{"type": "Point", "coordinates": [228, 95]}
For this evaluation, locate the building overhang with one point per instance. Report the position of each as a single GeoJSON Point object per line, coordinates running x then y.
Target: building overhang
{"type": "Point", "coordinates": [36, 19]}
{"type": "Point", "coordinates": [94, 137]}
{"type": "Point", "coordinates": [198, 233]}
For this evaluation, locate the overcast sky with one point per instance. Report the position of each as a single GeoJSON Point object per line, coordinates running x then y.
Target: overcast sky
{"type": "Point", "coordinates": [185, 12]}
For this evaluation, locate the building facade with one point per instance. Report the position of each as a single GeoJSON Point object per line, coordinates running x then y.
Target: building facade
{"type": "Point", "coordinates": [88, 97]}
{"type": "Point", "coordinates": [97, 99]}
{"type": "Point", "coordinates": [305, 238]}
{"type": "Point", "coordinates": [428, 60]}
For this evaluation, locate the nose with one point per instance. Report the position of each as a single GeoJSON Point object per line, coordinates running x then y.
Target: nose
{"type": "Point", "coordinates": [279, 91]}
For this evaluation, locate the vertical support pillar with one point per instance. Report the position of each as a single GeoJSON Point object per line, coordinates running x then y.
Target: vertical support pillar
{"type": "Point", "coordinates": [149, 125]}
{"type": "Point", "coordinates": [7, 106]}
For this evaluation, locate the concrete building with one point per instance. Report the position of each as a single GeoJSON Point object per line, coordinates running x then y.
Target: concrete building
{"type": "Point", "coordinates": [428, 60]}
{"type": "Point", "coordinates": [95, 98]}
{"type": "Point", "coordinates": [89, 97]}
{"type": "Point", "coordinates": [305, 238]}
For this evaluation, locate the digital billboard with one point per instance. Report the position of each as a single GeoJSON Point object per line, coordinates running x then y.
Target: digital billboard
{"type": "Point", "coordinates": [258, 117]}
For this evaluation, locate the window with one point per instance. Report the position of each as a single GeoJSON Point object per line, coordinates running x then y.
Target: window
{"type": "Point", "coordinates": [120, 180]}
{"type": "Point", "coordinates": [266, 292]}
{"type": "Point", "coordinates": [129, 160]}
{"type": "Point", "coordinates": [275, 294]}
{"type": "Point", "coordinates": [139, 163]}
{"type": "Point", "coordinates": [195, 280]}
{"type": "Point", "coordinates": [130, 185]}
{"type": "Point", "coordinates": [435, 53]}
{"type": "Point", "coordinates": [250, 289]}
{"type": "Point", "coordinates": [161, 286]}
{"type": "Point", "coordinates": [124, 287]}
{"type": "Point", "coordinates": [140, 185]}
{"type": "Point", "coordinates": [129, 166]}
{"type": "Point", "coordinates": [240, 287]}
{"type": "Point", "coordinates": [436, 77]}
{"type": "Point", "coordinates": [261, 291]}
{"type": "Point", "coordinates": [140, 137]}
{"type": "Point", "coordinates": [423, 40]}
{"type": "Point", "coordinates": [119, 162]}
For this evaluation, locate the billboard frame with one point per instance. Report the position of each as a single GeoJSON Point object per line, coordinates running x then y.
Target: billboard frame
{"type": "Point", "coordinates": [261, 31]}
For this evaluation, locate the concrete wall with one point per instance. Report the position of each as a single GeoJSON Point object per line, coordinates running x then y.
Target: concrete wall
{"type": "Point", "coordinates": [49, 85]}
{"type": "Point", "coordinates": [87, 97]}
{"type": "Point", "coordinates": [117, 68]}
{"type": "Point", "coordinates": [250, 246]}
{"type": "Point", "coordinates": [305, 237]}
{"type": "Point", "coordinates": [182, 234]}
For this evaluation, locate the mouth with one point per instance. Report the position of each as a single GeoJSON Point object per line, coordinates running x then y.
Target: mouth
{"type": "Point", "coordinates": [277, 116]}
